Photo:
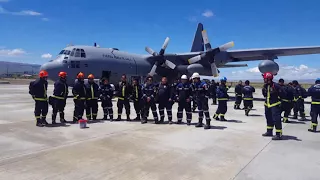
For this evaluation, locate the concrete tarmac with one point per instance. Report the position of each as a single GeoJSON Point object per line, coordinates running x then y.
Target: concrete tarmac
{"type": "Point", "coordinates": [130, 150]}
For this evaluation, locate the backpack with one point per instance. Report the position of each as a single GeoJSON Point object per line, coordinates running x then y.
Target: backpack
{"type": "Point", "coordinates": [31, 88]}
{"type": "Point", "coordinates": [304, 93]}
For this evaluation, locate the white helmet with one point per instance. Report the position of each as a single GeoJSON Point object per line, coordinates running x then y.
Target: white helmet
{"type": "Point", "coordinates": [195, 75]}
{"type": "Point", "coordinates": [184, 77]}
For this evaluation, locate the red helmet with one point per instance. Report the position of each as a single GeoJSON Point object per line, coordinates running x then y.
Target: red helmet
{"type": "Point", "coordinates": [80, 75]}
{"type": "Point", "coordinates": [63, 74]}
{"type": "Point", "coordinates": [91, 76]}
{"type": "Point", "coordinates": [43, 73]}
{"type": "Point", "coordinates": [267, 75]}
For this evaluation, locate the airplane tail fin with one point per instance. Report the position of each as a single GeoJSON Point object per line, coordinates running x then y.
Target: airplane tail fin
{"type": "Point", "coordinates": [197, 44]}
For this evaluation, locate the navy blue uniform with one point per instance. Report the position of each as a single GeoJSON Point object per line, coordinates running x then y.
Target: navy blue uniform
{"type": "Point", "coordinates": [79, 98]}
{"type": "Point", "coordinates": [194, 101]}
{"type": "Point", "coordinates": [92, 100]}
{"type": "Point", "coordinates": [201, 94]}
{"type": "Point", "coordinates": [137, 100]}
{"type": "Point", "coordinates": [184, 98]}
{"type": "Point", "coordinates": [314, 92]}
{"type": "Point", "coordinates": [38, 91]}
{"type": "Point", "coordinates": [149, 92]}
{"type": "Point", "coordinates": [247, 92]}
{"type": "Point", "coordinates": [287, 101]}
{"type": "Point", "coordinates": [164, 96]}
{"type": "Point", "coordinates": [106, 93]}
{"type": "Point", "coordinates": [272, 107]}
{"type": "Point", "coordinates": [223, 97]}
{"type": "Point", "coordinates": [60, 95]}
{"type": "Point", "coordinates": [123, 92]}
{"type": "Point", "coordinates": [298, 102]}
{"type": "Point", "coordinates": [213, 92]}
{"type": "Point", "coordinates": [238, 94]}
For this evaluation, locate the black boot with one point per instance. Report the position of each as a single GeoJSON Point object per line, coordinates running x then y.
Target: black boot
{"type": "Point", "coordinates": [119, 118]}
{"type": "Point", "coordinates": [144, 121]}
{"type": "Point", "coordinates": [105, 117]}
{"type": "Point", "coordinates": [94, 117]}
{"type": "Point", "coordinates": [295, 116]}
{"type": "Point", "coordinates": [207, 126]}
{"type": "Point", "coordinates": [313, 128]}
{"type": "Point", "coordinates": [278, 136]}
{"type": "Point", "coordinates": [62, 120]}
{"type": "Point", "coordinates": [216, 117]}
{"type": "Point", "coordinates": [39, 124]}
{"type": "Point", "coordinates": [303, 117]}
{"type": "Point", "coordinates": [235, 106]}
{"type": "Point", "coordinates": [44, 122]}
{"type": "Point", "coordinates": [285, 120]}
{"type": "Point", "coordinates": [161, 120]}
{"type": "Point", "coordinates": [222, 118]}
{"type": "Point", "coordinates": [137, 118]}
{"type": "Point", "coordinates": [199, 124]}
{"type": "Point", "coordinates": [269, 133]}
{"type": "Point", "coordinates": [179, 121]}
{"type": "Point", "coordinates": [247, 112]}
{"type": "Point", "coordinates": [75, 120]}
{"type": "Point", "coordinates": [170, 121]}
{"type": "Point", "coordinates": [111, 117]}
{"type": "Point", "coordinates": [53, 117]}
{"type": "Point", "coordinates": [188, 123]}
{"type": "Point", "coordinates": [128, 117]}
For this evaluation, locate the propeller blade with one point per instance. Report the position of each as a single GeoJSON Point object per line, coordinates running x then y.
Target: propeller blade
{"type": "Point", "coordinates": [206, 40]}
{"type": "Point", "coordinates": [153, 70]}
{"type": "Point", "coordinates": [170, 64]}
{"type": "Point", "coordinates": [226, 46]}
{"type": "Point", "coordinates": [150, 51]}
{"type": "Point", "coordinates": [214, 70]}
{"type": "Point", "coordinates": [165, 44]}
{"type": "Point", "coordinates": [194, 59]}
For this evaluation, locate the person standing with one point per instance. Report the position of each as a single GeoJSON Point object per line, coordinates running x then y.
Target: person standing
{"type": "Point", "coordinates": [164, 98]}
{"type": "Point", "coordinates": [60, 95]}
{"type": "Point", "coordinates": [123, 92]}
{"type": "Point", "coordinates": [184, 98]}
{"type": "Point", "coordinates": [247, 92]}
{"type": "Point", "coordinates": [79, 97]}
{"type": "Point", "coordinates": [299, 95]}
{"type": "Point", "coordinates": [223, 97]}
{"type": "Point", "coordinates": [149, 94]}
{"type": "Point", "coordinates": [314, 92]}
{"type": "Point", "coordinates": [213, 92]}
{"type": "Point", "coordinates": [286, 101]}
{"type": "Point", "coordinates": [238, 93]}
{"type": "Point", "coordinates": [106, 91]}
{"type": "Point", "coordinates": [92, 98]}
{"type": "Point", "coordinates": [137, 98]}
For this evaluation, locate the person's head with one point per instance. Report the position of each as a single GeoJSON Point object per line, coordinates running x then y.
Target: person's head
{"type": "Point", "coordinates": [318, 81]}
{"type": "Point", "coordinates": [281, 81]}
{"type": "Point", "coordinates": [240, 82]}
{"type": "Point", "coordinates": [43, 75]}
{"type": "Point", "coordinates": [105, 81]}
{"type": "Point", "coordinates": [267, 77]}
{"type": "Point", "coordinates": [196, 77]}
{"type": "Point", "coordinates": [135, 82]}
{"type": "Point", "coordinates": [149, 80]}
{"type": "Point", "coordinates": [164, 80]}
{"type": "Point", "coordinates": [124, 78]}
{"type": "Point", "coordinates": [63, 76]}
{"type": "Point", "coordinates": [80, 76]}
{"type": "Point", "coordinates": [247, 82]}
{"type": "Point", "coordinates": [295, 83]}
{"type": "Point", "coordinates": [212, 81]}
{"type": "Point", "coordinates": [223, 80]}
{"type": "Point", "coordinates": [184, 78]}
{"type": "Point", "coordinates": [91, 78]}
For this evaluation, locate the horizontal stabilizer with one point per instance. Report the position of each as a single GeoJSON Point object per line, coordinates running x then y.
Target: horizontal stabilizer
{"type": "Point", "coordinates": [233, 65]}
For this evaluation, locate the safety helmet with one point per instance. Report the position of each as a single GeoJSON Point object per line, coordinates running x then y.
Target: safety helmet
{"type": "Point", "coordinates": [267, 75]}
{"type": "Point", "coordinates": [318, 79]}
{"type": "Point", "coordinates": [223, 79]}
{"type": "Point", "coordinates": [91, 76]}
{"type": "Point", "coordinates": [247, 82]}
{"type": "Point", "coordinates": [43, 73]}
{"type": "Point", "coordinates": [195, 75]}
{"type": "Point", "coordinates": [184, 77]}
{"type": "Point", "coordinates": [281, 80]}
{"type": "Point", "coordinates": [295, 82]}
{"type": "Point", "coordinates": [80, 75]}
{"type": "Point", "coordinates": [62, 74]}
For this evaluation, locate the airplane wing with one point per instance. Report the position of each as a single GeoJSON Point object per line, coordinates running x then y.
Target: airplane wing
{"type": "Point", "coordinates": [233, 65]}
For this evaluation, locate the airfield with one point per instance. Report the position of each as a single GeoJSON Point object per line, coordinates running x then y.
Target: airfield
{"type": "Point", "coordinates": [130, 150]}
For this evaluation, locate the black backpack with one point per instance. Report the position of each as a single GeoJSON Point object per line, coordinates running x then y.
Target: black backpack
{"type": "Point", "coordinates": [31, 88]}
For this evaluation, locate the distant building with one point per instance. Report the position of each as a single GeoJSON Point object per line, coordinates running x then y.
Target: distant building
{"type": "Point", "coordinates": [11, 69]}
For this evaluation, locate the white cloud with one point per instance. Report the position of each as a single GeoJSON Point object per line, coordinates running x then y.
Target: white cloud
{"type": "Point", "coordinates": [12, 52]}
{"type": "Point", "coordinates": [44, 19]}
{"type": "Point", "coordinates": [286, 72]}
{"type": "Point", "coordinates": [207, 13]}
{"type": "Point", "coordinates": [21, 13]}
{"type": "Point", "coordinates": [46, 56]}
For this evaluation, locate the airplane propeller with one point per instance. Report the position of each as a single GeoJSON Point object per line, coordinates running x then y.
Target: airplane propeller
{"type": "Point", "coordinates": [160, 58]}
{"type": "Point", "coordinates": [210, 53]}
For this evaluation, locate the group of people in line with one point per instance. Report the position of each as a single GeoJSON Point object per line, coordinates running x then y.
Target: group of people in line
{"type": "Point", "coordinates": [278, 98]}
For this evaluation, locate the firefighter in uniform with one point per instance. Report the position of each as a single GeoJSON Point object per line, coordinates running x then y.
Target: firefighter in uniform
{"type": "Point", "coordinates": [79, 97]}
{"type": "Point", "coordinates": [137, 98]}
{"type": "Point", "coordinates": [223, 97]}
{"type": "Point", "coordinates": [184, 97]}
{"type": "Point", "coordinates": [60, 95]}
{"type": "Point", "coordinates": [298, 101]}
{"type": "Point", "coordinates": [314, 92]}
{"type": "Point", "coordinates": [38, 91]}
{"type": "Point", "coordinates": [272, 91]}
{"type": "Point", "coordinates": [194, 102]}
{"type": "Point", "coordinates": [106, 93]}
{"type": "Point", "coordinates": [149, 101]}
{"type": "Point", "coordinates": [213, 92]}
{"type": "Point", "coordinates": [92, 98]}
{"type": "Point", "coordinates": [247, 92]}
{"type": "Point", "coordinates": [164, 96]}
{"type": "Point", "coordinates": [238, 93]}
{"type": "Point", "coordinates": [201, 94]}
{"type": "Point", "coordinates": [123, 92]}
{"type": "Point", "coordinates": [286, 101]}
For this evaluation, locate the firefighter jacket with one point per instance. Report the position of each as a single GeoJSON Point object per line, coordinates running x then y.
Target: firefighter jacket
{"type": "Point", "coordinates": [164, 92]}
{"type": "Point", "coordinates": [213, 89]}
{"type": "Point", "coordinates": [38, 90]}
{"type": "Point", "coordinates": [272, 92]}
{"type": "Point", "coordinates": [106, 91]}
{"type": "Point", "coordinates": [123, 91]}
{"type": "Point", "coordinates": [79, 91]}
{"type": "Point", "coordinates": [222, 93]}
{"type": "Point", "coordinates": [184, 91]}
{"type": "Point", "coordinates": [247, 92]}
{"type": "Point", "coordinates": [149, 91]}
{"type": "Point", "coordinates": [288, 91]}
{"type": "Point", "coordinates": [60, 90]}
{"type": "Point", "coordinates": [136, 92]}
{"type": "Point", "coordinates": [314, 92]}
{"type": "Point", "coordinates": [201, 90]}
{"type": "Point", "coordinates": [92, 91]}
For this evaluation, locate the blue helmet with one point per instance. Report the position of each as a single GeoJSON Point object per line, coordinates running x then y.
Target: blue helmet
{"type": "Point", "coordinates": [318, 79]}
{"type": "Point", "coordinates": [223, 79]}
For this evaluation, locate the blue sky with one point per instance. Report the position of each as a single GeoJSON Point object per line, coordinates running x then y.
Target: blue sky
{"type": "Point", "coordinates": [34, 29]}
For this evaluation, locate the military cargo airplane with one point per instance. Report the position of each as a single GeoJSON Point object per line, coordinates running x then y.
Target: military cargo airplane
{"type": "Point", "coordinates": [112, 63]}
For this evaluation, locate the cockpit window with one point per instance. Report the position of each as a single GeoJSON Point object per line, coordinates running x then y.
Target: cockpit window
{"type": "Point", "coordinates": [73, 51]}
{"type": "Point", "coordinates": [83, 54]}
{"type": "Point", "coordinates": [78, 54]}
{"type": "Point", "coordinates": [67, 52]}
{"type": "Point", "coordinates": [61, 52]}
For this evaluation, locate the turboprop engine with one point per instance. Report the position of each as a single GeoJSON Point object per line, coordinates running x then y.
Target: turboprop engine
{"type": "Point", "coordinates": [268, 66]}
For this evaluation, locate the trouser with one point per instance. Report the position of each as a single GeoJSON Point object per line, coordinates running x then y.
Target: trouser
{"type": "Point", "coordinates": [40, 110]}
{"type": "Point", "coordinates": [214, 99]}
{"type": "Point", "coordinates": [286, 108]}
{"type": "Point", "coordinates": [203, 108]}
{"type": "Point", "coordinates": [147, 106]}
{"type": "Point", "coordinates": [165, 105]}
{"type": "Point", "coordinates": [238, 101]}
{"type": "Point", "coordinates": [194, 104]}
{"type": "Point", "coordinates": [248, 105]}
{"type": "Point", "coordinates": [126, 105]}
{"type": "Point", "coordinates": [138, 107]}
{"type": "Point", "coordinates": [58, 106]}
{"type": "Point", "coordinates": [315, 109]}
{"type": "Point", "coordinates": [184, 106]}
{"type": "Point", "coordinates": [107, 108]}
{"type": "Point", "coordinates": [79, 106]}
{"type": "Point", "coordinates": [92, 109]}
{"type": "Point", "coordinates": [299, 107]}
{"type": "Point", "coordinates": [222, 108]}
{"type": "Point", "coordinates": [273, 116]}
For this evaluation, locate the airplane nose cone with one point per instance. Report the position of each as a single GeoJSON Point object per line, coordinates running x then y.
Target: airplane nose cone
{"type": "Point", "coordinates": [53, 69]}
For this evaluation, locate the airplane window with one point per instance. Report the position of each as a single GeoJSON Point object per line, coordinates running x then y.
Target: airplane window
{"type": "Point", "coordinates": [61, 52]}
{"type": "Point", "coordinates": [78, 54]}
{"type": "Point", "coordinates": [67, 52]}
{"type": "Point", "coordinates": [77, 64]}
{"type": "Point", "coordinates": [73, 51]}
{"type": "Point", "coordinates": [83, 54]}
{"type": "Point", "coordinates": [73, 64]}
